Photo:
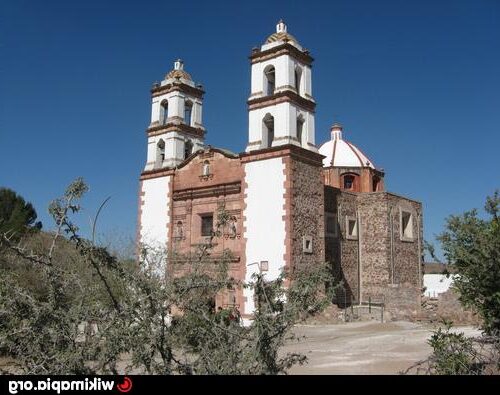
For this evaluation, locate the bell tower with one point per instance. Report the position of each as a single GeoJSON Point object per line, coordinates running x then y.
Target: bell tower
{"type": "Point", "coordinates": [176, 129]}
{"type": "Point", "coordinates": [281, 107]}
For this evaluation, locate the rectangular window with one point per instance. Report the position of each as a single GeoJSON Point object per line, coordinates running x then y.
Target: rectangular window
{"type": "Point", "coordinates": [406, 226]}
{"type": "Point", "coordinates": [307, 245]}
{"type": "Point", "coordinates": [351, 225]}
{"type": "Point", "coordinates": [207, 224]}
{"type": "Point", "coordinates": [348, 182]}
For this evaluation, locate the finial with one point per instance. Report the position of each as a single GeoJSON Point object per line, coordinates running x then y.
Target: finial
{"type": "Point", "coordinates": [336, 131]}
{"type": "Point", "coordinates": [281, 27]}
{"type": "Point", "coordinates": [179, 64]}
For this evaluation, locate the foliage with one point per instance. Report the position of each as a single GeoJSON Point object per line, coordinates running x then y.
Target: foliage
{"type": "Point", "coordinates": [92, 313]}
{"type": "Point", "coordinates": [456, 354]}
{"type": "Point", "coordinates": [452, 352]}
{"type": "Point", "coordinates": [472, 246]}
{"type": "Point", "coordinates": [15, 214]}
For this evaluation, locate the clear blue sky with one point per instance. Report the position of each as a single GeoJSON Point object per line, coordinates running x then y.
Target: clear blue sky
{"type": "Point", "coordinates": [415, 84]}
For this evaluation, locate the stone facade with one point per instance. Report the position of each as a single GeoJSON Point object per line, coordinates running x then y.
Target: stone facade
{"type": "Point", "coordinates": [306, 213]}
{"type": "Point", "coordinates": [374, 258]}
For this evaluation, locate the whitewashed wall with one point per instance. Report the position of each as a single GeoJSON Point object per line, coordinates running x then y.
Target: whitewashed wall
{"type": "Point", "coordinates": [436, 284]}
{"type": "Point", "coordinates": [264, 223]}
{"type": "Point", "coordinates": [155, 214]}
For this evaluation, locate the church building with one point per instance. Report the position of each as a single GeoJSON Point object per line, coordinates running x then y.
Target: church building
{"type": "Point", "coordinates": [292, 201]}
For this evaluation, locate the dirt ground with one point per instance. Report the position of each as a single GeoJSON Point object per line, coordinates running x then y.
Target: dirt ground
{"type": "Point", "coordinates": [356, 348]}
{"type": "Point", "coordinates": [363, 347]}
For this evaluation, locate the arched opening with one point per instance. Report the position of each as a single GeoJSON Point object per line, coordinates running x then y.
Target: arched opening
{"type": "Point", "coordinates": [298, 80]}
{"type": "Point", "coordinates": [188, 148]}
{"type": "Point", "coordinates": [268, 131]}
{"type": "Point", "coordinates": [375, 183]}
{"type": "Point", "coordinates": [206, 168]}
{"type": "Point", "coordinates": [164, 112]}
{"type": "Point", "coordinates": [270, 80]}
{"type": "Point", "coordinates": [160, 153]}
{"type": "Point", "coordinates": [188, 112]}
{"type": "Point", "coordinates": [349, 182]}
{"type": "Point", "coordinates": [300, 128]}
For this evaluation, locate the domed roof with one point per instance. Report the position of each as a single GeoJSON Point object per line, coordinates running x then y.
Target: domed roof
{"type": "Point", "coordinates": [281, 34]}
{"type": "Point", "coordinates": [341, 153]}
{"type": "Point", "coordinates": [178, 72]}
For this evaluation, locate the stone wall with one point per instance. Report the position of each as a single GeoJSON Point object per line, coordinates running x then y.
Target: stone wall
{"type": "Point", "coordinates": [450, 308]}
{"type": "Point", "coordinates": [342, 251]}
{"type": "Point", "coordinates": [407, 253]}
{"type": "Point", "coordinates": [374, 240]}
{"type": "Point", "coordinates": [401, 301]}
{"type": "Point", "coordinates": [307, 212]}
{"type": "Point", "coordinates": [377, 263]}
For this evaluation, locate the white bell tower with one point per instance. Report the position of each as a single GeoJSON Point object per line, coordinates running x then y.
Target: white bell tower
{"type": "Point", "coordinates": [176, 130]}
{"type": "Point", "coordinates": [281, 107]}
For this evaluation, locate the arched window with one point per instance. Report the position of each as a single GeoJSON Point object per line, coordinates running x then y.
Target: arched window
{"type": "Point", "coordinates": [160, 153]}
{"type": "Point", "coordinates": [268, 132]}
{"type": "Point", "coordinates": [188, 111]}
{"type": "Point", "coordinates": [188, 148]}
{"type": "Point", "coordinates": [164, 112]}
{"type": "Point", "coordinates": [206, 168]}
{"type": "Point", "coordinates": [376, 183]}
{"type": "Point", "coordinates": [270, 80]}
{"type": "Point", "coordinates": [350, 182]}
{"type": "Point", "coordinates": [300, 127]}
{"type": "Point", "coordinates": [298, 79]}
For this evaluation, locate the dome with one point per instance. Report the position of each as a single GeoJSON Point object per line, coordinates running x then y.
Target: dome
{"type": "Point", "coordinates": [281, 34]}
{"type": "Point", "coordinates": [178, 72]}
{"type": "Point", "coordinates": [341, 153]}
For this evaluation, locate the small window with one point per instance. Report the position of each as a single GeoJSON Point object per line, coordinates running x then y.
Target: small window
{"type": "Point", "coordinates": [188, 110]}
{"type": "Point", "coordinates": [160, 153]}
{"type": "Point", "coordinates": [348, 182]}
{"type": "Point", "coordinates": [298, 75]}
{"type": "Point", "coordinates": [300, 127]}
{"type": "Point", "coordinates": [179, 232]}
{"type": "Point", "coordinates": [188, 148]}
{"type": "Point", "coordinates": [351, 225]}
{"type": "Point", "coordinates": [164, 112]}
{"type": "Point", "coordinates": [307, 244]}
{"type": "Point", "coordinates": [269, 74]}
{"type": "Point", "coordinates": [206, 168]}
{"type": "Point", "coordinates": [406, 226]}
{"type": "Point", "coordinates": [207, 224]}
{"type": "Point", "coordinates": [268, 124]}
{"type": "Point", "coordinates": [330, 225]}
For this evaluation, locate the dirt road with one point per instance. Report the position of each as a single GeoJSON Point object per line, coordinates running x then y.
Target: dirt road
{"type": "Point", "coordinates": [363, 347]}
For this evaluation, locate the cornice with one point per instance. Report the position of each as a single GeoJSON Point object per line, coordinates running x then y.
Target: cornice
{"type": "Point", "coordinates": [175, 127]}
{"type": "Point", "coordinates": [179, 87]}
{"type": "Point", "coordinates": [208, 191]}
{"type": "Point", "coordinates": [281, 97]}
{"type": "Point", "coordinates": [283, 49]}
